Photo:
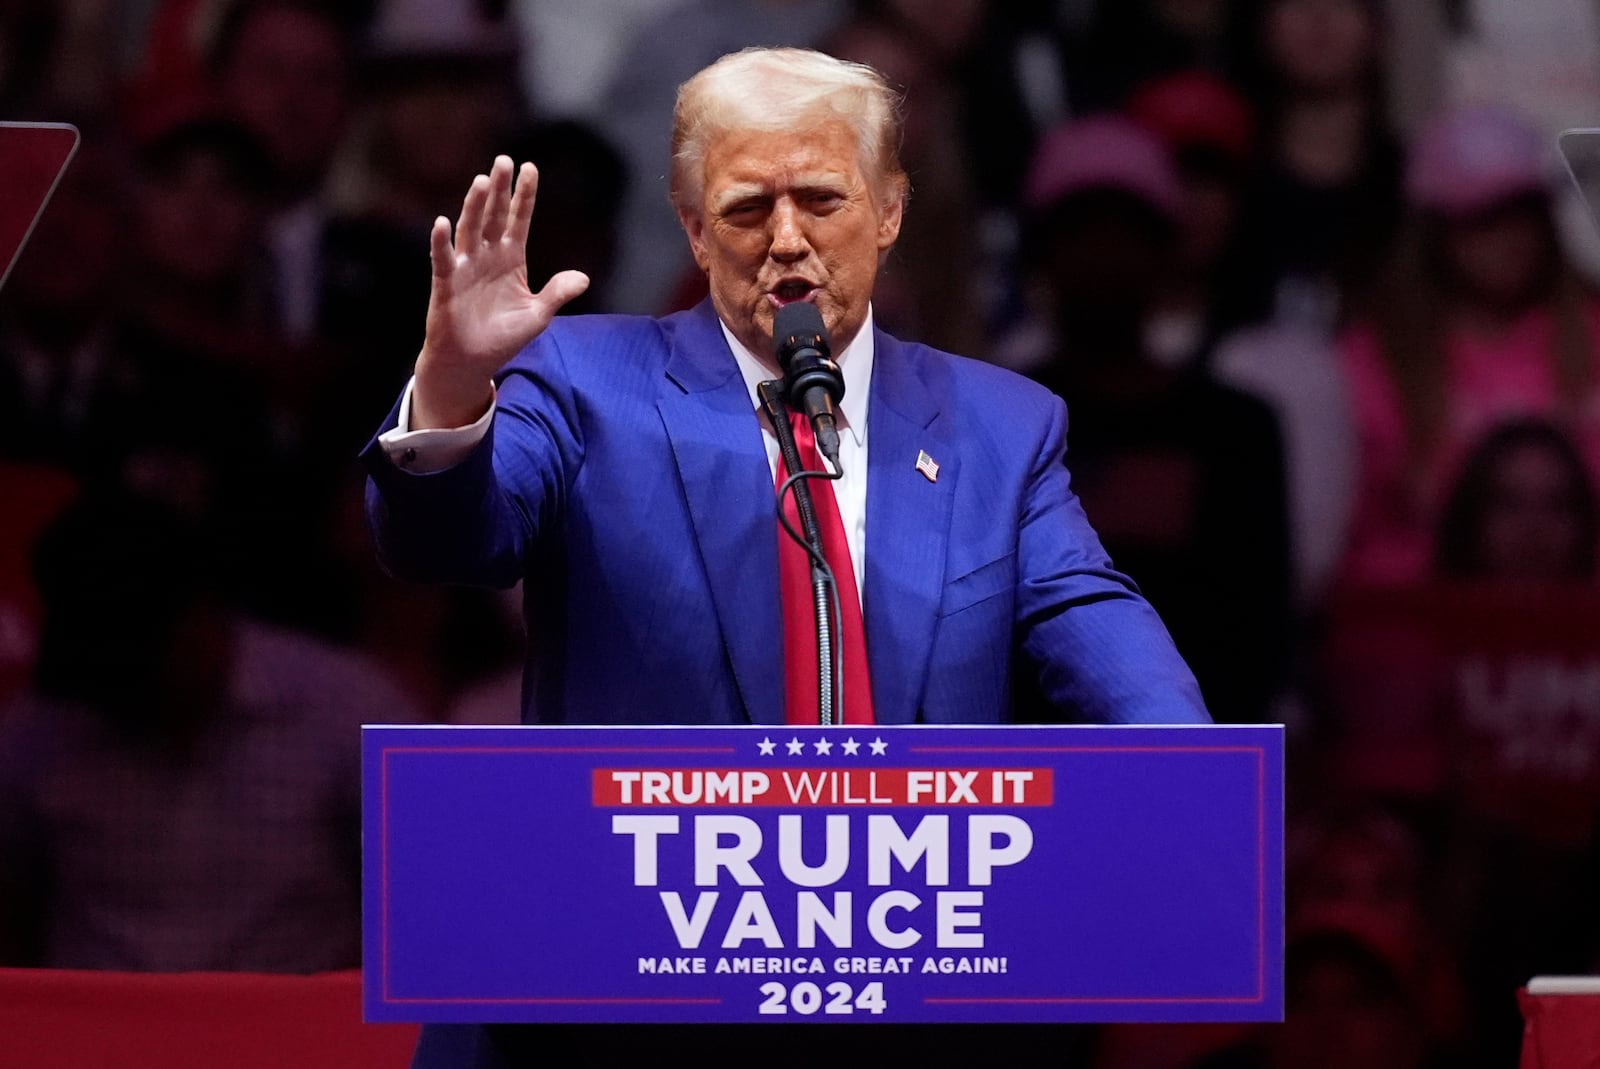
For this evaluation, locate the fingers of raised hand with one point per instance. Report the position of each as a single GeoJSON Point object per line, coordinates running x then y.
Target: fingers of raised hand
{"type": "Point", "coordinates": [440, 251]}
{"type": "Point", "coordinates": [562, 287]}
{"type": "Point", "coordinates": [522, 203]}
{"type": "Point", "coordinates": [497, 210]}
{"type": "Point", "coordinates": [469, 228]}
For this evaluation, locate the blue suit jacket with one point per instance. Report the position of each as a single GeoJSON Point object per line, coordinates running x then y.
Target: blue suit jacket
{"type": "Point", "coordinates": [626, 479]}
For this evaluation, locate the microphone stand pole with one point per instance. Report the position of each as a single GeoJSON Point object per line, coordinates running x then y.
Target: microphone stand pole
{"type": "Point", "coordinates": [772, 403]}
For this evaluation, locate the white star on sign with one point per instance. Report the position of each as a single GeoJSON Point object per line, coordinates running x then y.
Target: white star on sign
{"type": "Point", "coordinates": [766, 746]}
{"type": "Point", "coordinates": [850, 746]}
{"type": "Point", "coordinates": [879, 747]}
{"type": "Point", "coordinates": [795, 746]}
{"type": "Point", "coordinates": [823, 746]}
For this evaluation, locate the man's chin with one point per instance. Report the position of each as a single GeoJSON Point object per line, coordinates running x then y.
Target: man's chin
{"type": "Point", "coordinates": [756, 333]}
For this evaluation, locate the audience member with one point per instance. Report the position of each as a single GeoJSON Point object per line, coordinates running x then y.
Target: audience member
{"type": "Point", "coordinates": [209, 407]}
{"type": "Point", "coordinates": [1210, 131]}
{"type": "Point", "coordinates": [1360, 866]}
{"type": "Point", "coordinates": [1182, 477]}
{"type": "Point", "coordinates": [199, 287]}
{"type": "Point", "coordinates": [1484, 322]}
{"type": "Point", "coordinates": [1014, 87]}
{"type": "Point", "coordinates": [1347, 1002]}
{"type": "Point", "coordinates": [1204, 312]}
{"type": "Point", "coordinates": [284, 68]}
{"type": "Point", "coordinates": [442, 96]}
{"type": "Point", "coordinates": [180, 789]}
{"type": "Point", "coordinates": [1324, 203]}
{"type": "Point", "coordinates": [1523, 508]}
{"type": "Point", "coordinates": [1538, 58]}
{"type": "Point", "coordinates": [438, 96]}
{"type": "Point", "coordinates": [1367, 978]}
{"type": "Point", "coordinates": [1523, 515]}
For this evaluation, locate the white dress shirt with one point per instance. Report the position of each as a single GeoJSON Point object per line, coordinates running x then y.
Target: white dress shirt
{"type": "Point", "coordinates": [425, 451]}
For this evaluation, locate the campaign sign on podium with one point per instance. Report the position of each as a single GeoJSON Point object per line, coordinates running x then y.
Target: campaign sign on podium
{"type": "Point", "coordinates": [833, 874]}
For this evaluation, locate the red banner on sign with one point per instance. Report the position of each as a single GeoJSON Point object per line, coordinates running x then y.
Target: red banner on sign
{"type": "Point", "coordinates": [641, 788]}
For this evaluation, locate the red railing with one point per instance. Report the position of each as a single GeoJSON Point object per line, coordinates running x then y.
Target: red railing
{"type": "Point", "coordinates": [68, 1019]}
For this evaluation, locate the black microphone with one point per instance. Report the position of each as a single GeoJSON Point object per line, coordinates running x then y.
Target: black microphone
{"type": "Point", "coordinates": [812, 382]}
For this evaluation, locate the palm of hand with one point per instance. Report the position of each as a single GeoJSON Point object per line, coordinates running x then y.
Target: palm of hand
{"type": "Point", "coordinates": [485, 310]}
{"type": "Point", "coordinates": [481, 310]}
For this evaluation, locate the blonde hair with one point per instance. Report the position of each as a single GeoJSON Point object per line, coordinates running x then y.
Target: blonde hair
{"type": "Point", "coordinates": [784, 89]}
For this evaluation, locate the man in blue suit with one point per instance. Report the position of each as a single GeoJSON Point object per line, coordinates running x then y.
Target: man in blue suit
{"type": "Point", "coordinates": [620, 464]}
{"type": "Point", "coordinates": [621, 468]}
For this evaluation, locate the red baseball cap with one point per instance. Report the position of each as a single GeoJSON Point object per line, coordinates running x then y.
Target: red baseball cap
{"type": "Point", "coordinates": [1196, 109]}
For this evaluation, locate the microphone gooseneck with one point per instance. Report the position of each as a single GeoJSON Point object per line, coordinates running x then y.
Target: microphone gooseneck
{"type": "Point", "coordinates": [824, 589]}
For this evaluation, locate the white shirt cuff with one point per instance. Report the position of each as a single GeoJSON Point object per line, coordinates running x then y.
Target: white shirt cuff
{"type": "Point", "coordinates": [429, 451]}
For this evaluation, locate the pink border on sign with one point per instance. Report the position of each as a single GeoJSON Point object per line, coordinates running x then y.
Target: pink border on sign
{"type": "Point", "coordinates": [558, 1001]}
{"type": "Point", "coordinates": [1261, 874]}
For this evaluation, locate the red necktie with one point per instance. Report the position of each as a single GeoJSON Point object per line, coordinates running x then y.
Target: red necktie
{"type": "Point", "coordinates": [799, 611]}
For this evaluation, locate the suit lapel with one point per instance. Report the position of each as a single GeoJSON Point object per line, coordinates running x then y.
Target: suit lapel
{"type": "Point", "coordinates": [722, 464]}
{"type": "Point", "coordinates": [908, 528]}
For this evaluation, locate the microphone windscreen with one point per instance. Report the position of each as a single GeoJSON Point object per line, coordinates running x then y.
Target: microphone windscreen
{"type": "Point", "coordinates": [798, 325]}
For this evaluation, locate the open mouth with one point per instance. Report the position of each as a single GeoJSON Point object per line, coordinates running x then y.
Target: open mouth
{"type": "Point", "coordinates": [791, 290]}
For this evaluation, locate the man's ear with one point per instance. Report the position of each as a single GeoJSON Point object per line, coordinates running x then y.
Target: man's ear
{"type": "Point", "coordinates": [694, 225]}
{"type": "Point", "coordinates": [893, 211]}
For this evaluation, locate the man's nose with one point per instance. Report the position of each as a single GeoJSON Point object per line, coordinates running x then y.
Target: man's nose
{"type": "Point", "coordinates": [789, 243]}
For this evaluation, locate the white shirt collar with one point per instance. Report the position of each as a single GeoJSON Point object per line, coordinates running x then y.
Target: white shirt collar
{"type": "Point", "coordinates": [855, 363]}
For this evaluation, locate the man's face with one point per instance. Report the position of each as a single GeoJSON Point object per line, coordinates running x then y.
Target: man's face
{"type": "Point", "coordinates": [289, 80]}
{"type": "Point", "coordinates": [785, 217]}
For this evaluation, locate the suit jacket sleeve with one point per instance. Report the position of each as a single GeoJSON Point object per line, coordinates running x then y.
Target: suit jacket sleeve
{"type": "Point", "coordinates": [1095, 644]}
{"type": "Point", "coordinates": [479, 521]}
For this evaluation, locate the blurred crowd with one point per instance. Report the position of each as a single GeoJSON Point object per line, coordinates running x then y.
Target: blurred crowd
{"type": "Point", "coordinates": [1307, 272]}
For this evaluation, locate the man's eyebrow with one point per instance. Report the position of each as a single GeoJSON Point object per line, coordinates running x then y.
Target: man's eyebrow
{"type": "Point", "coordinates": [732, 195]}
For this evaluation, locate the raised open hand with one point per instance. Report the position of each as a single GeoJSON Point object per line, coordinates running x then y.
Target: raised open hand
{"type": "Point", "coordinates": [481, 310]}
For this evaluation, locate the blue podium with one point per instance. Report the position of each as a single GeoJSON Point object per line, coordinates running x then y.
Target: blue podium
{"type": "Point", "coordinates": [906, 874]}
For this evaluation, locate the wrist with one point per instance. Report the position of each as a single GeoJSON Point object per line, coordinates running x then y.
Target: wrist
{"type": "Point", "coordinates": [443, 399]}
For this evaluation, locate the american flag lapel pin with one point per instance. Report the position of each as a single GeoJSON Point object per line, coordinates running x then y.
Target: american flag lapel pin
{"type": "Point", "coordinates": [928, 466]}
